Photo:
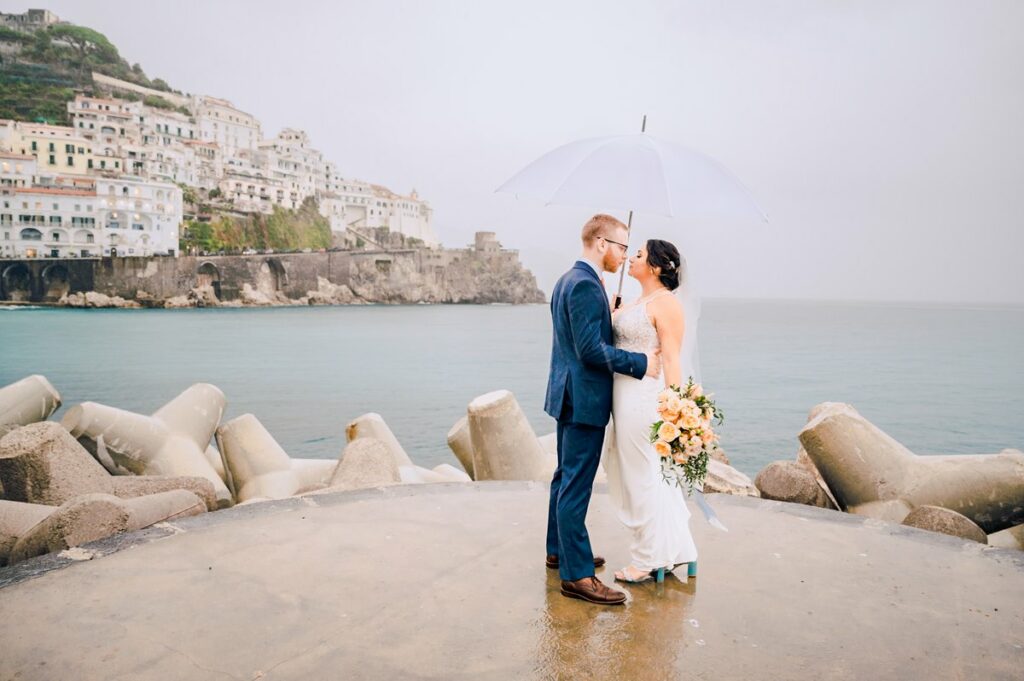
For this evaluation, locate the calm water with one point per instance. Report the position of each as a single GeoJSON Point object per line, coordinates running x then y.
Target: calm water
{"type": "Point", "coordinates": [940, 379]}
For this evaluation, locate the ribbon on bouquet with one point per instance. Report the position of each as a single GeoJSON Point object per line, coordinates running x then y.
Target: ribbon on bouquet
{"type": "Point", "coordinates": [705, 507]}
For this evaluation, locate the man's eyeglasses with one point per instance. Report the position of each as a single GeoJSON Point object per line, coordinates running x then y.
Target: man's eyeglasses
{"type": "Point", "coordinates": [624, 246]}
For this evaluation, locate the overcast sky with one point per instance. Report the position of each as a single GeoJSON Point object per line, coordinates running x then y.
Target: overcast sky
{"type": "Point", "coordinates": [883, 138]}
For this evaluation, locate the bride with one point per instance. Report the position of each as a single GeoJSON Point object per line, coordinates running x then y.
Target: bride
{"type": "Point", "coordinates": [654, 510]}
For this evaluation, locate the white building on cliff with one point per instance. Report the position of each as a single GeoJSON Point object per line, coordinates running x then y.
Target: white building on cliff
{"type": "Point", "coordinates": [86, 217]}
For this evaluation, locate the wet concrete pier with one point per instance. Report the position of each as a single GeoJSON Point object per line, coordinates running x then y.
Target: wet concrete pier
{"type": "Point", "coordinates": [447, 581]}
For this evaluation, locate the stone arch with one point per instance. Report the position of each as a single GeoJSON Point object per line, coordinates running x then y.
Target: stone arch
{"type": "Point", "coordinates": [271, 277]}
{"type": "Point", "coordinates": [16, 283]}
{"type": "Point", "coordinates": [31, 234]}
{"type": "Point", "coordinates": [84, 236]}
{"type": "Point", "coordinates": [209, 275]}
{"type": "Point", "coordinates": [55, 282]}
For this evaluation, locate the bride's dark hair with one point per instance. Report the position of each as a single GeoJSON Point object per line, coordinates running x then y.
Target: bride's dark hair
{"type": "Point", "coordinates": [666, 256]}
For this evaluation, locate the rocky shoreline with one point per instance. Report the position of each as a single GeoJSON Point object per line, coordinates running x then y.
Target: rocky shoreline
{"type": "Point", "coordinates": [481, 274]}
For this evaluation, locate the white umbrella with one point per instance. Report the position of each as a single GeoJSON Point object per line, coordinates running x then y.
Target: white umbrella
{"type": "Point", "coordinates": [636, 172]}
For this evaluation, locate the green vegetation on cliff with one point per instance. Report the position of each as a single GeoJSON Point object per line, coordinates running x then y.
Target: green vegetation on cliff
{"type": "Point", "coordinates": [283, 230]}
{"type": "Point", "coordinates": [49, 64]}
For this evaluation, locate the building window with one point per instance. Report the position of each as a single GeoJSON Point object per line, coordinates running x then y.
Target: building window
{"type": "Point", "coordinates": [52, 147]}
{"type": "Point", "coordinates": [31, 234]}
{"type": "Point", "coordinates": [34, 148]}
{"type": "Point", "coordinates": [137, 226]}
{"type": "Point", "coordinates": [53, 160]}
{"type": "Point", "coordinates": [55, 236]}
{"type": "Point", "coordinates": [71, 160]}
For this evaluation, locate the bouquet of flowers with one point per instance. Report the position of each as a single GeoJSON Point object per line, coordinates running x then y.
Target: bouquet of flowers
{"type": "Point", "coordinates": [684, 437]}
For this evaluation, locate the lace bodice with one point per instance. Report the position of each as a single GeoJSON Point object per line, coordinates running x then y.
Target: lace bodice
{"type": "Point", "coordinates": [632, 329]}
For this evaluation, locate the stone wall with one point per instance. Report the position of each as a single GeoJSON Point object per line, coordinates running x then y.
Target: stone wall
{"type": "Point", "coordinates": [391, 276]}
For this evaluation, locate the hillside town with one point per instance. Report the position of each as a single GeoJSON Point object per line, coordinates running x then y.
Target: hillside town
{"type": "Point", "coordinates": [115, 181]}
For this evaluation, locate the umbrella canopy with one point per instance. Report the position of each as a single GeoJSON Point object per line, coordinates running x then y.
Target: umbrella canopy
{"type": "Point", "coordinates": [636, 172]}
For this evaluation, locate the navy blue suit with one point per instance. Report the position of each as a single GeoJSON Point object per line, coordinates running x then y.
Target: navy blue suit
{"type": "Point", "coordinates": [579, 397]}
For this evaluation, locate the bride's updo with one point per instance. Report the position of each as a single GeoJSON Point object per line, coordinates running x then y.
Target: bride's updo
{"type": "Point", "coordinates": [666, 256]}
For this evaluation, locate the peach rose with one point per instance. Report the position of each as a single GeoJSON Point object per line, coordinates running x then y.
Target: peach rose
{"type": "Point", "coordinates": [696, 443]}
{"type": "Point", "coordinates": [666, 394]}
{"type": "Point", "coordinates": [668, 432]}
{"type": "Point", "coordinates": [663, 449]}
{"type": "Point", "coordinates": [707, 436]}
{"type": "Point", "coordinates": [696, 390]}
{"type": "Point", "coordinates": [681, 457]}
{"type": "Point", "coordinates": [674, 404]}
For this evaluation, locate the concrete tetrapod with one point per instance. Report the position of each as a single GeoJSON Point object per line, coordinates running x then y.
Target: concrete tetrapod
{"type": "Point", "coordinates": [96, 516]}
{"type": "Point", "coordinates": [872, 474]}
{"type": "Point", "coordinates": [461, 444]}
{"type": "Point", "coordinates": [366, 462]}
{"type": "Point", "coordinates": [443, 473]}
{"type": "Point", "coordinates": [257, 466]}
{"type": "Point", "coordinates": [42, 464]}
{"type": "Point", "coordinates": [1011, 538]}
{"type": "Point", "coordinates": [943, 520]}
{"type": "Point", "coordinates": [26, 401]}
{"type": "Point", "coordinates": [373, 425]}
{"type": "Point", "coordinates": [790, 482]}
{"type": "Point", "coordinates": [17, 518]}
{"type": "Point", "coordinates": [173, 441]}
{"type": "Point", "coordinates": [504, 445]}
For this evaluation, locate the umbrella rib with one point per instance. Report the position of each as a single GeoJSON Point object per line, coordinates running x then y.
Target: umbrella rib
{"type": "Point", "coordinates": [664, 179]}
{"type": "Point", "coordinates": [577, 167]}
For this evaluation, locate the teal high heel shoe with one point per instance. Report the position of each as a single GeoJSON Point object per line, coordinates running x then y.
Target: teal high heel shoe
{"type": "Point", "coordinates": [657, 575]}
{"type": "Point", "coordinates": [691, 569]}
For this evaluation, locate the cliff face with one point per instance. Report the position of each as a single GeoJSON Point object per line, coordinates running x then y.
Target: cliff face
{"type": "Point", "coordinates": [329, 278]}
{"type": "Point", "coordinates": [468, 278]}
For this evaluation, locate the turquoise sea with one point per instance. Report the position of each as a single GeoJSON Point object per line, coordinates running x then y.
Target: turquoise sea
{"type": "Point", "coordinates": [941, 379]}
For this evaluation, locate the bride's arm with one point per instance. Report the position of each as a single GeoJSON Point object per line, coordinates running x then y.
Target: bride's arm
{"type": "Point", "coordinates": [670, 325]}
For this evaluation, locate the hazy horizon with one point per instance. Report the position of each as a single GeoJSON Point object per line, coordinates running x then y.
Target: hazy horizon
{"type": "Point", "coordinates": [883, 140]}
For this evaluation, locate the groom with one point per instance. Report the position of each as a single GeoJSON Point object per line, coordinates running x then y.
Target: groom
{"type": "Point", "coordinates": [579, 397]}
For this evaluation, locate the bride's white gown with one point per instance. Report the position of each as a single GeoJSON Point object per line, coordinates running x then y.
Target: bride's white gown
{"type": "Point", "coordinates": [654, 510]}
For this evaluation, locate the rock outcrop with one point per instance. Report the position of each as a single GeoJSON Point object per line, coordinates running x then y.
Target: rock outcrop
{"type": "Point", "coordinates": [95, 299]}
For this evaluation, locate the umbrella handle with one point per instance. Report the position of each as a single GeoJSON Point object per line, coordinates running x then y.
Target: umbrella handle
{"type": "Point", "coordinates": [622, 273]}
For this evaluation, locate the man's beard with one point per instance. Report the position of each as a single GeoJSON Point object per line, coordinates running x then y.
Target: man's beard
{"type": "Point", "coordinates": [609, 263]}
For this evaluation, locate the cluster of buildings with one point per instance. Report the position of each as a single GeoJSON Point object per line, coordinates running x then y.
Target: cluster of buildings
{"type": "Point", "coordinates": [110, 182]}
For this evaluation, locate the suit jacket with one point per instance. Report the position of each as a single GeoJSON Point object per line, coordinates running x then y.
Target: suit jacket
{"type": "Point", "coordinates": [583, 358]}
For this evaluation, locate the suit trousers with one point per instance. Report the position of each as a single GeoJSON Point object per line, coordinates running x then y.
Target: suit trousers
{"type": "Point", "coordinates": [579, 453]}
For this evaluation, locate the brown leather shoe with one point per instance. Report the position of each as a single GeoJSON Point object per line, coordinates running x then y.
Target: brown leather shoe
{"type": "Point", "coordinates": [552, 561]}
{"type": "Point", "coordinates": [593, 590]}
